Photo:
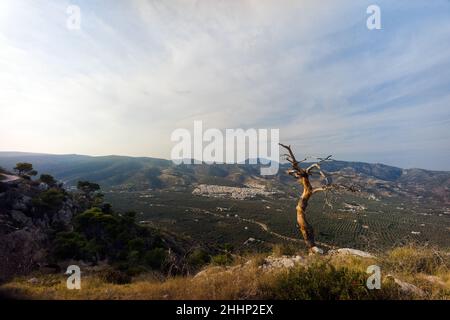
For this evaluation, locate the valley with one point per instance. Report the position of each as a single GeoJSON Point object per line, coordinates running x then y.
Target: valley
{"type": "Point", "coordinates": [354, 221]}
{"type": "Point", "coordinates": [222, 205]}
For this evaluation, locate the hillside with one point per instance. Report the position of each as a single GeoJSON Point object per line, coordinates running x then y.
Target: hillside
{"type": "Point", "coordinates": [217, 232]}
{"type": "Point", "coordinates": [142, 173]}
{"type": "Point", "coordinates": [406, 273]}
{"type": "Point", "coordinates": [43, 227]}
{"type": "Point", "coordinates": [209, 203]}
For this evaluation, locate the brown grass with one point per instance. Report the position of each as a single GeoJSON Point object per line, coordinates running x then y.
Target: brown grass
{"type": "Point", "coordinates": [325, 277]}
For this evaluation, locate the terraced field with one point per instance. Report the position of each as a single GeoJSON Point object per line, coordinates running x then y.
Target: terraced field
{"type": "Point", "coordinates": [353, 222]}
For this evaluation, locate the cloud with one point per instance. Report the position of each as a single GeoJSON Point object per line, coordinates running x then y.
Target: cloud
{"type": "Point", "coordinates": [138, 70]}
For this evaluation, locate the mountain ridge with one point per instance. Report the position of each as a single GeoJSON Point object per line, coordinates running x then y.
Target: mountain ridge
{"type": "Point", "coordinates": [25, 153]}
{"type": "Point", "coordinates": [142, 173]}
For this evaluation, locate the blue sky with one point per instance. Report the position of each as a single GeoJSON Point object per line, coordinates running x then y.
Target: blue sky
{"type": "Point", "coordinates": [137, 70]}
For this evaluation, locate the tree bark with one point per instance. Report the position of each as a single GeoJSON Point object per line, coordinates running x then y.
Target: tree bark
{"type": "Point", "coordinates": [305, 228]}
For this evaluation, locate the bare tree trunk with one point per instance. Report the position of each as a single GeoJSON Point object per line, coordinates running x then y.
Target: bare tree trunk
{"type": "Point", "coordinates": [302, 176]}
{"type": "Point", "coordinates": [305, 228]}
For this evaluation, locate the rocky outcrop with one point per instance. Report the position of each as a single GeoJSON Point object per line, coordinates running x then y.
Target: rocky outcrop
{"type": "Point", "coordinates": [24, 226]}
{"type": "Point", "coordinates": [273, 263]}
{"type": "Point", "coordinates": [352, 252]}
{"type": "Point", "coordinates": [21, 251]}
{"type": "Point", "coordinates": [407, 288]}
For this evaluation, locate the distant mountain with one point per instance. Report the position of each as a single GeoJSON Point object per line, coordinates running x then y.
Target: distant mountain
{"type": "Point", "coordinates": [140, 173]}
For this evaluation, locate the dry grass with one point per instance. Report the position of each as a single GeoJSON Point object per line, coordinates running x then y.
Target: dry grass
{"type": "Point", "coordinates": [335, 277]}
{"type": "Point", "coordinates": [217, 285]}
{"type": "Point", "coordinates": [427, 268]}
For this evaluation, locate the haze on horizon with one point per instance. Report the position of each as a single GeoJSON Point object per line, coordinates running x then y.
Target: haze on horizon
{"type": "Point", "coordinates": [137, 70]}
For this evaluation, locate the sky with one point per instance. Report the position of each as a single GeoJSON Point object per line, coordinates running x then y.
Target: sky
{"type": "Point", "coordinates": [137, 70]}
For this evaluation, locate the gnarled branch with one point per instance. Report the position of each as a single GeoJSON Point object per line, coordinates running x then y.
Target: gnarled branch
{"type": "Point", "coordinates": [303, 177]}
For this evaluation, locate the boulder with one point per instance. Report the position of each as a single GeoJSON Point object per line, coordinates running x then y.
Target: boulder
{"type": "Point", "coordinates": [352, 252]}
{"type": "Point", "coordinates": [20, 217]}
{"type": "Point", "coordinates": [406, 287]}
{"type": "Point", "coordinates": [316, 250]}
{"type": "Point", "coordinates": [271, 262]}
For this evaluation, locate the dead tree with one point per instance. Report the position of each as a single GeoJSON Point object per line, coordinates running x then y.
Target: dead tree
{"type": "Point", "coordinates": [303, 176]}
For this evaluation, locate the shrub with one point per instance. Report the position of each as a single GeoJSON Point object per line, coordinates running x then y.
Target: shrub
{"type": "Point", "coordinates": [323, 281]}
{"type": "Point", "coordinates": [222, 259]}
{"type": "Point", "coordinates": [228, 247]}
{"type": "Point", "coordinates": [47, 179]}
{"type": "Point", "coordinates": [50, 199]}
{"type": "Point", "coordinates": [284, 250]}
{"type": "Point", "coordinates": [136, 244]}
{"type": "Point", "coordinates": [153, 178]}
{"type": "Point", "coordinates": [115, 276]}
{"type": "Point", "coordinates": [198, 258]}
{"type": "Point", "coordinates": [87, 187]}
{"type": "Point", "coordinates": [70, 245]}
{"type": "Point", "coordinates": [155, 258]}
{"type": "Point", "coordinates": [25, 169]}
{"type": "Point", "coordinates": [413, 259]}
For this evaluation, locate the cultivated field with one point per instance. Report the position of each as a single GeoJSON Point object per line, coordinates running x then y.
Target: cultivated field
{"type": "Point", "coordinates": [356, 222]}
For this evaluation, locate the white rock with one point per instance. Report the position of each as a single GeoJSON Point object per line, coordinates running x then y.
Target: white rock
{"type": "Point", "coordinates": [407, 287]}
{"type": "Point", "coordinates": [271, 262]}
{"type": "Point", "coordinates": [316, 250]}
{"type": "Point", "coordinates": [352, 252]}
{"type": "Point", "coordinates": [33, 281]}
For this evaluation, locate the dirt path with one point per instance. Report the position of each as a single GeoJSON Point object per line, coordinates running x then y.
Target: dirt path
{"type": "Point", "coordinates": [9, 177]}
{"type": "Point", "coordinates": [265, 228]}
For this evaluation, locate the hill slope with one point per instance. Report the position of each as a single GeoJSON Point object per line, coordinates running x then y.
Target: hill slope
{"type": "Point", "coordinates": [141, 173]}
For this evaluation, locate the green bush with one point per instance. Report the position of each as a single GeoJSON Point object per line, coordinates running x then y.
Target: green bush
{"type": "Point", "coordinates": [198, 258]}
{"type": "Point", "coordinates": [222, 259]}
{"type": "Point", "coordinates": [71, 245]}
{"type": "Point", "coordinates": [155, 258]}
{"type": "Point", "coordinates": [137, 244]}
{"type": "Point", "coordinates": [284, 250]}
{"type": "Point", "coordinates": [48, 179]}
{"type": "Point", "coordinates": [228, 247]}
{"type": "Point", "coordinates": [323, 281]}
{"type": "Point", "coordinates": [25, 169]}
{"type": "Point", "coordinates": [52, 199]}
{"type": "Point", "coordinates": [416, 259]}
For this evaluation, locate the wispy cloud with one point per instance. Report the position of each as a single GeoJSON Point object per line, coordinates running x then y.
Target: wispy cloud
{"type": "Point", "coordinates": [139, 69]}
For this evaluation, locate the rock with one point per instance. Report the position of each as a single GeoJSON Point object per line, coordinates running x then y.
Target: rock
{"type": "Point", "coordinates": [64, 215]}
{"type": "Point", "coordinates": [43, 186]}
{"type": "Point", "coordinates": [353, 252]}
{"type": "Point", "coordinates": [434, 280]}
{"type": "Point", "coordinates": [406, 287]}
{"type": "Point", "coordinates": [21, 251]}
{"type": "Point", "coordinates": [20, 217]}
{"type": "Point", "coordinates": [271, 262]}
{"type": "Point", "coordinates": [33, 281]}
{"type": "Point", "coordinates": [249, 240]}
{"type": "Point", "coordinates": [316, 250]}
{"type": "Point", "coordinates": [209, 271]}
{"type": "Point", "coordinates": [20, 206]}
